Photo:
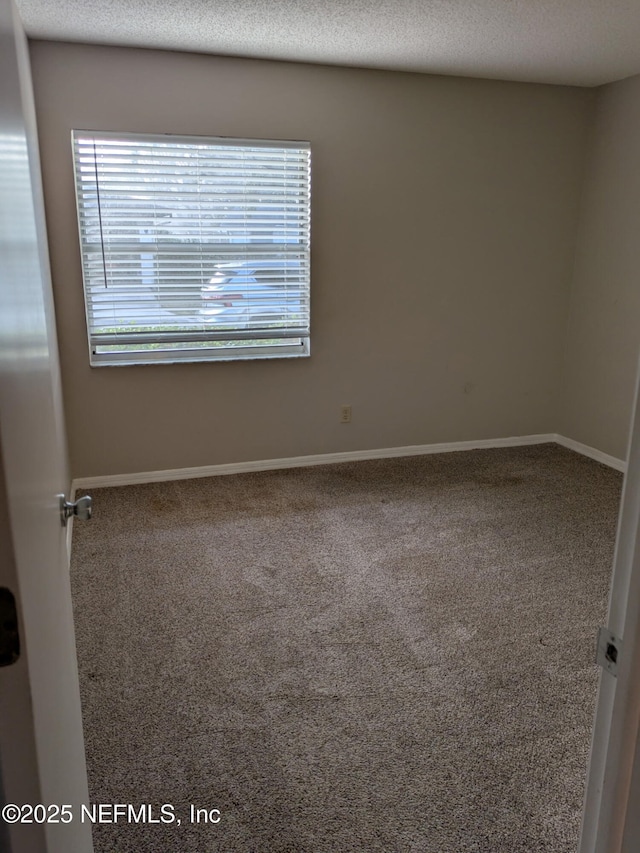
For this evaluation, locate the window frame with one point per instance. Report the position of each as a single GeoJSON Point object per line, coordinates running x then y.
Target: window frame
{"type": "Point", "coordinates": [187, 353]}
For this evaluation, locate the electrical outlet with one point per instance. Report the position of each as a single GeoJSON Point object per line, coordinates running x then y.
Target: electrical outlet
{"type": "Point", "coordinates": [345, 414]}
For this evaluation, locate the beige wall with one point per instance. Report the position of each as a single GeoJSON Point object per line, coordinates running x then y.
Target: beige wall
{"type": "Point", "coordinates": [603, 333]}
{"type": "Point", "coordinates": [443, 219]}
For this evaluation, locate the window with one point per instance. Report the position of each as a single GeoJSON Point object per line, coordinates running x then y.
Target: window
{"type": "Point", "coordinates": [193, 249]}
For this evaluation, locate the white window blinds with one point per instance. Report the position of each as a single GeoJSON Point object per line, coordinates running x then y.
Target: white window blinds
{"type": "Point", "coordinates": [193, 248]}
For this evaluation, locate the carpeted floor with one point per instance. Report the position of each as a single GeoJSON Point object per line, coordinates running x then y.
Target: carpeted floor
{"type": "Point", "coordinates": [391, 656]}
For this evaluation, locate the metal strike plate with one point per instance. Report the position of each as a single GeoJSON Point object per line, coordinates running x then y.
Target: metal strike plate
{"type": "Point", "coordinates": [608, 651]}
{"type": "Point", "coordinates": [78, 509]}
{"type": "Point", "coordinates": [9, 637]}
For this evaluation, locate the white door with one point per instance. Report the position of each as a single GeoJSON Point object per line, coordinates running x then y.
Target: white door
{"type": "Point", "coordinates": [611, 819]}
{"type": "Point", "coordinates": [41, 744]}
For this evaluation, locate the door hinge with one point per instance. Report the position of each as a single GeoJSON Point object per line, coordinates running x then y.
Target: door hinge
{"type": "Point", "coordinates": [608, 650]}
{"type": "Point", "coordinates": [9, 637]}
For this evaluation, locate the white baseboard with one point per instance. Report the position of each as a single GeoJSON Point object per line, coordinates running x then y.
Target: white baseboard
{"type": "Point", "coordinates": [304, 461]}
{"type": "Point", "coordinates": [348, 456]}
{"type": "Point", "coordinates": [592, 453]}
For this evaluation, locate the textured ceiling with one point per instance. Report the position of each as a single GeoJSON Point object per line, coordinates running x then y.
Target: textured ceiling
{"type": "Point", "coordinates": [581, 42]}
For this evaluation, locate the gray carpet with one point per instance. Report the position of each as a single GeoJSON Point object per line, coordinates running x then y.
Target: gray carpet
{"type": "Point", "coordinates": [391, 656]}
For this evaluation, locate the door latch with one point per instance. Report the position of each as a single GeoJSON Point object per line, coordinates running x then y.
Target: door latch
{"type": "Point", "coordinates": [9, 637]}
{"type": "Point", "coordinates": [608, 651]}
{"type": "Point", "coordinates": [77, 509]}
